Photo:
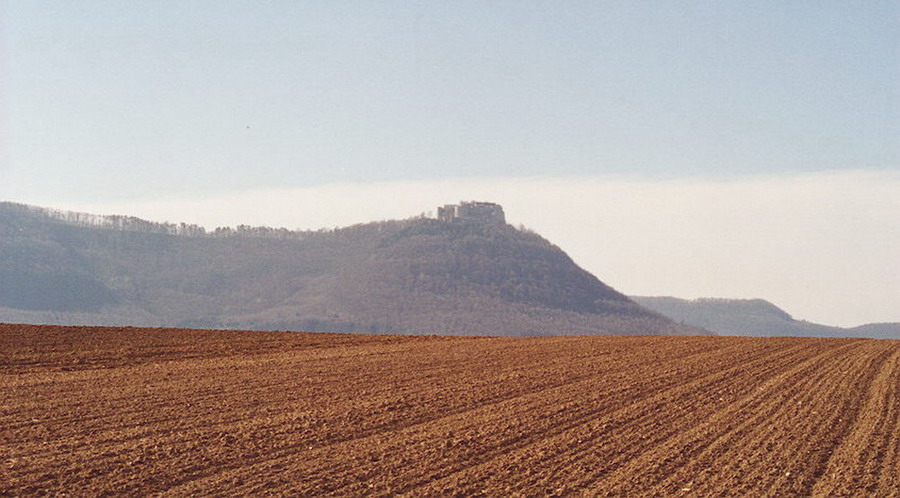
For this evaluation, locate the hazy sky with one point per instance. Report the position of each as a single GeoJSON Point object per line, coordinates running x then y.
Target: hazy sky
{"type": "Point", "coordinates": [764, 134]}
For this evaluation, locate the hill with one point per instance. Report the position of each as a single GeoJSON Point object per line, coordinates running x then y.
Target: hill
{"type": "Point", "coordinates": [755, 317]}
{"type": "Point", "coordinates": [452, 276]}
{"type": "Point", "coordinates": [99, 411]}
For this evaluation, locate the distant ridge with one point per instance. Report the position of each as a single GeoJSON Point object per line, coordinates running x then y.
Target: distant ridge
{"type": "Point", "coordinates": [469, 274]}
{"type": "Point", "coordinates": [754, 317]}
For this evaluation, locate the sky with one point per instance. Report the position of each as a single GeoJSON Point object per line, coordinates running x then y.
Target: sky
{"type": "Point", "coordinates": [694, 149]}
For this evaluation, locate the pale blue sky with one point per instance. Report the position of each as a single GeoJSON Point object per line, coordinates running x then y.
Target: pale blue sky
{"type": "Point", "coordinates": [123, 100]}
{"type": "Point", "coordinates": [727, 149]}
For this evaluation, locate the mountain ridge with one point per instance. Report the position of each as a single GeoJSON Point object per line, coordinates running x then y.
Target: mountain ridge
{"type": "Point", "coordinates": [754, 317]}
{"type": "Point", "coordinates": [417, 275]}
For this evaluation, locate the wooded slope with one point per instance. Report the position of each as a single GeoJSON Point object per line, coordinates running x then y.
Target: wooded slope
{"type": "Point", "coordinates": [410, 276]}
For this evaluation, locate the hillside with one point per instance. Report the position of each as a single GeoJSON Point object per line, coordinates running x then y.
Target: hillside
{"type": "Point", "coordinates": [412, 276]}
{"type": "Point", "coordinates": [137, 412]}
{"type": "Point", "coordinates": [754, 317]}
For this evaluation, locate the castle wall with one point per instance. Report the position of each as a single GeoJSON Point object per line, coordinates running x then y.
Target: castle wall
{"type": "Point", "coordinates": [486, 212]}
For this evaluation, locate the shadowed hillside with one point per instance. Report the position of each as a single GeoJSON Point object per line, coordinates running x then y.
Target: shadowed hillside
{"type": "Point", "coordinates": [411, 276]}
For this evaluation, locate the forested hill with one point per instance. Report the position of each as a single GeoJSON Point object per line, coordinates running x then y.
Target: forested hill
{"type": "Point", "coordinates": [411, 276]}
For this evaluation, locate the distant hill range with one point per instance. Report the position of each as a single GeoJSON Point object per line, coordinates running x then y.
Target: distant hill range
{"type": "Point", "coordinates": [755, 317]}
{"type": "Point", "coordinates": [466, 273]}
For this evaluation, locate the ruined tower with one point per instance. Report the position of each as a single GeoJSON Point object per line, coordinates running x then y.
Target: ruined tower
{"type": "Point", "coordinates": [484, 212]}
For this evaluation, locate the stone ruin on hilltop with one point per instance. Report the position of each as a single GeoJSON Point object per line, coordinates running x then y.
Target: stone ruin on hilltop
{"type": "Point", "coordinates": [484, 212]}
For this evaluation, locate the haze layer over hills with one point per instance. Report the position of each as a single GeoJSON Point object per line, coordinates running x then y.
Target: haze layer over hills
{"type": "Point", "coordinates": [755, 317]}
{"type": "Point", "coordinates": [448, 276]}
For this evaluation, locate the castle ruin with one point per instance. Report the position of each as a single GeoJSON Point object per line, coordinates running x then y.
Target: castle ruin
{"type": "Point", "coordinates": [484, 212]}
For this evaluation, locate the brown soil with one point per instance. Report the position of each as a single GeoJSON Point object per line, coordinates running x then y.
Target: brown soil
{"type": "Point", "coordinates": [90, 411]}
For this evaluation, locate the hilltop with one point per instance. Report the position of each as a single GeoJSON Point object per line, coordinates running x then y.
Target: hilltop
{"type": "Point", "coordinates": [468, 273]}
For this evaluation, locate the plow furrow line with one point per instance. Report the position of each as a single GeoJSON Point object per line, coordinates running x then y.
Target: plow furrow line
{"type": "Point", "coordinates": [866, 459]}
{"type": "Point", "coordinates": [489, 422]}
{"type": "Point", "coordinates": [343, 465]}
{"type": "Point", "coordinates": [557, 448]}
{"type": "Point", "coordinates": [696, 448]}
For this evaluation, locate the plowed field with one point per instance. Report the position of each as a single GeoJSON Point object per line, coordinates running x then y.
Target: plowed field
{"type": "Point", "coordinates": [87, 411]}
